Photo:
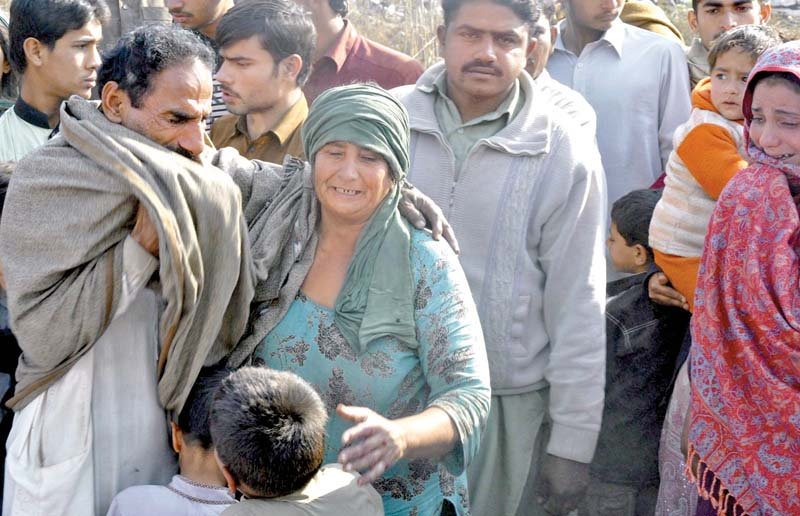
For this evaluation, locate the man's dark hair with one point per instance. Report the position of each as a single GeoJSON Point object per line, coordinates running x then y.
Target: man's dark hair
{"type": "Point", "coordinates": [268, 429]}
{"type": "Point", "coordinates": [631, 213]}
{"type": "Point", "coordinates": [526, 10]}
{"type": "Point", "coordinates": [142, 53]}
{"type": "Point", "coordinates": [340, 7]}
{"type": "Point", "coordinates": [196, 413]}
{"type": "Point", "coordinates": [281, 25]}
{"type": "Point", "coordinates": [48, 21]}
{"type": "Point", "coordinates": [750, 39]}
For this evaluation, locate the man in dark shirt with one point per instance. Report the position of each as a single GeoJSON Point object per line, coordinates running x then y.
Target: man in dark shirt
{"type": "Point", "coordinates": [344, 57]}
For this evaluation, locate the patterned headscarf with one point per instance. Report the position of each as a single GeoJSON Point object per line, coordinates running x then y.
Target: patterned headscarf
{"type": "Point", "coordinates": [744, 431]}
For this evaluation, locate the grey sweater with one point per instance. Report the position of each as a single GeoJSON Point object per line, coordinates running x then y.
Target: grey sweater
{"type": "Point", "coordinates": [528, 208]}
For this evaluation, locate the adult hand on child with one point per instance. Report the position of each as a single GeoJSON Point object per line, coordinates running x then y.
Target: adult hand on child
{"type": "Point", "coordinates": [372, 446]}
{"type": "Point", "coordinates": [661, 292]}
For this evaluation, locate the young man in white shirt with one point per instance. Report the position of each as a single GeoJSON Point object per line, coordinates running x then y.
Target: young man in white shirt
{"type": "Point", "coordinates": [53, 46]}
{"type": "Point", "coordinates": [637, 83]}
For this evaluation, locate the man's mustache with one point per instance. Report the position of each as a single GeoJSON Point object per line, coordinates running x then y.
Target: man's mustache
{"type": "Point", "coordinates": [483, 66]}
{"type": "Point", "coordinates": [185, 153]}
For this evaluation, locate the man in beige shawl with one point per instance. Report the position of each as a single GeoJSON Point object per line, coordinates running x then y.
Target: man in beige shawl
{"type": "Point", "coordinates": [90, 217]}
{"type": "Point", "coordinates": [106, 350]}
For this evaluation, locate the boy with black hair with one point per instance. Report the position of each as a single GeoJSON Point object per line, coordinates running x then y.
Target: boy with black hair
{"type": "Point", "coordinates": [199, 488]}
{"type": "Point", "coordinates": [642, 344]}
{"type": "Point", "coordinates": [708, 19]}
{"type": "Point", "coordinates": [53, 47]}
{"type": "Point", "coordinates": [268, 429]}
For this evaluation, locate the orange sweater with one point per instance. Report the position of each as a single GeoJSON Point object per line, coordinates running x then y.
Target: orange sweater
{"type": "Point", "coordinates": [710, 154]}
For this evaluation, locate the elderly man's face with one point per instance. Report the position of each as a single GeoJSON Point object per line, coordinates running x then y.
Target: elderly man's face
{"type": "Point", "coordinates": [173, 112]}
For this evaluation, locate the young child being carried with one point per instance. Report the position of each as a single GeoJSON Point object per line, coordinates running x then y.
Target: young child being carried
{"type": "Point", "coordinates": [642, 343]}
{"type": "Point", "coordinates": [707, 154]}
{"type": "Point", "coordinates": [268, 429]}
{"type": "Point", "coordinates": [199, 489]}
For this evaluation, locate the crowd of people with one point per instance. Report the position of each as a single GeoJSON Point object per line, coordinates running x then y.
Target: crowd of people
{"type": "Point", "coordinates": [254, 263]}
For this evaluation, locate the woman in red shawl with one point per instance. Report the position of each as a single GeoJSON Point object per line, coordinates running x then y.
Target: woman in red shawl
{"type": "Point", "coordinates": [744, 433]}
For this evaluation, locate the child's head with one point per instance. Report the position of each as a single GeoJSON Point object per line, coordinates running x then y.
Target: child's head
{"type": "Point", "coordinates": [710, 18]}
{"type": "Point", "coordinates": [628, 244]}
{"type": "Point", "coordinates": [191, 433]}
{"type": "Point", "coordinates": [731, 58]}
{"type": "Point", "coordinates": [268, 429]}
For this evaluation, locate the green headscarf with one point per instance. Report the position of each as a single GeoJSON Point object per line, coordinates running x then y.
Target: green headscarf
{"type": "Point", "coordinates": [377, 298]}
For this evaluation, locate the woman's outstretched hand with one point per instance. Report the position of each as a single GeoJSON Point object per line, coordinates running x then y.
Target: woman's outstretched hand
{"type": "Point", "coordinates": [372, 445]}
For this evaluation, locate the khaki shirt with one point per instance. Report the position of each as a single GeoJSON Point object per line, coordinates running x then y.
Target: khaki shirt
{"type": "Point", "coordinates": [272, 146]}
{"type": "Point", "coordinates": [331, 491]}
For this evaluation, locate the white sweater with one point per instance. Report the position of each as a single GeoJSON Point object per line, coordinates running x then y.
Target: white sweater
{"type": "Point", "coordinates": [528, 209]}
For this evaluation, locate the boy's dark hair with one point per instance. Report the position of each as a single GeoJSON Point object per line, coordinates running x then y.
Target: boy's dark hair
{"type": "Point", "coordinates": [750, 39]}
{"type": "Point", "coordinates": [196, 413]}
{"type": "Point", "coordinates": [340, 7]}
{"type": "Point", "coordinates": [268, 429]}
{"type": "Point", "coordinates": [526, 10]}
{"type": "Point", "coordinates": [8, 81]}
{"type": "Point", "coordinates": [282, 27]}
{"type": "Point", "coordinates": [48, 21]}
{"type": "Point", "coordinates": [631, 213]}
{"type": "Point", "coordinates": [142, 53]}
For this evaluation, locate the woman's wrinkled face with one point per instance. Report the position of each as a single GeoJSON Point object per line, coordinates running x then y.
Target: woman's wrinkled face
{"type": "Point", "coordinates": [350, 182]}
{"type": "Point", "coordinates": [775, 126]}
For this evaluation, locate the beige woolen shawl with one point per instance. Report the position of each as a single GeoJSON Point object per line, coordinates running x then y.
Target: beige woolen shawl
{"type": "Point", "coordinates": [69, 208]}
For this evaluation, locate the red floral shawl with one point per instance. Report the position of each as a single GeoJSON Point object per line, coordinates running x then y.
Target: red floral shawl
{"type": "Point", "coordinates": [745, 359]}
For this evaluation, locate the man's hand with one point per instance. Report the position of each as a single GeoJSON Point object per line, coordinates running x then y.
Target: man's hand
{"type": "Point", "coordinates": [562, 485]}
{"type": "Point", "coordinates": [662, 293]}
{"type": "Point", "coordinates": [419, 209]}
{"type": "Point", "coordinates": [144, 232]}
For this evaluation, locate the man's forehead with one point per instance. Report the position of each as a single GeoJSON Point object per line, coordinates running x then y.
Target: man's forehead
{"type": "Point", "coordinates": [93, 30]}
{"type": "Point", "coordinates": [725, 3]}
{"type": "Point", "coordinates": [184, 86]}
{"type": "Point", "coordinates": [467, 15]}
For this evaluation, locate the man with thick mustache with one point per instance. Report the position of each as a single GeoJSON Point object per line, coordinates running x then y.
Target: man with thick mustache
{"type": "Point", "coordinates": [523, 187]}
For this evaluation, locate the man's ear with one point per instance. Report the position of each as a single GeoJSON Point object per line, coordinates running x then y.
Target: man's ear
{"type": "Point", "coordinates": [441, 33]}
{"type": "Point", "coordinates": [229, 478]}
{"type": "Point", "coordinates": [766, 11]}
{"type": "Point", "coordinates": [115, 102]}
{"type": "Point", "coordinates": [691, 17]}
{"type": "Point", "coordinates": [6, 67]}
{"type": "Point", "coordinates": [640, 257]}
{"type": "Point", "coordinates": [177, 437]}
{"type": "Point", "coordinates": [34, 51]}
{"type": "Point", "coordinates": [531, 47]}
{"type": "Point", "coordinates": [290, 67]}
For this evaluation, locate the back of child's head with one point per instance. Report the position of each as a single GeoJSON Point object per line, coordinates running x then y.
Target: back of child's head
{"type": "Point", "coordinates": [753, 40]}
{"type": "Point", "coordinates": [194, 418]}
{"type": "Point", "coordinates": [631, 214]}
{"type": "Point", "coordinates": [268, 429]}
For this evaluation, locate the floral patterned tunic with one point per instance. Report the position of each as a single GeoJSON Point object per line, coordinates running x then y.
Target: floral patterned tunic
{"type": "Point", "coordinates": [448, 370]}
